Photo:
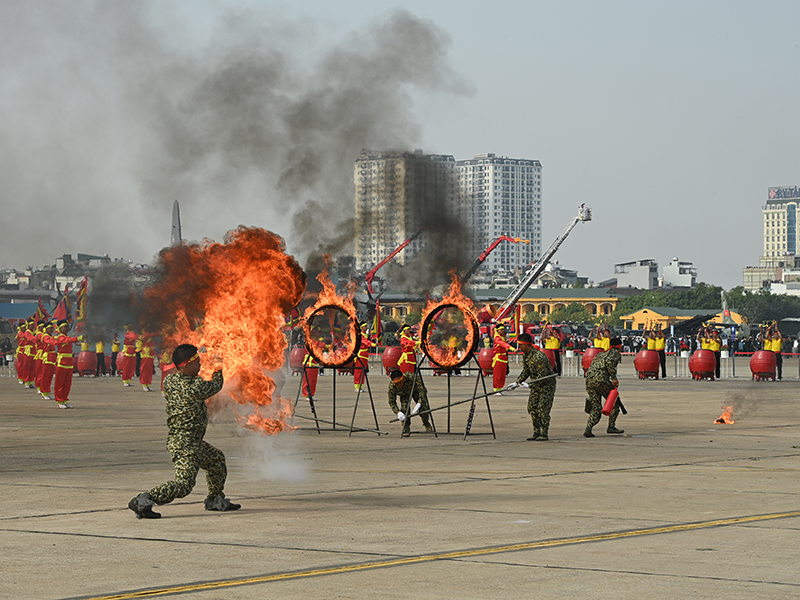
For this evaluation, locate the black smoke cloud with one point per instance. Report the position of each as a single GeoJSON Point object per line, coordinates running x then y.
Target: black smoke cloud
{"type": "Point", "coordinates": [111, 113]}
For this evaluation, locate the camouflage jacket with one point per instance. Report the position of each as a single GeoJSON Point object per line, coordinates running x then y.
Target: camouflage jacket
{"type": "Point", "coordinates": [187, 415]}
{"type": "Point", "coordinates": [404, 390]}
{"type": "Point", "coordinates": [603, 368]}
{"type": "Point", "coordinates": [535, 365]}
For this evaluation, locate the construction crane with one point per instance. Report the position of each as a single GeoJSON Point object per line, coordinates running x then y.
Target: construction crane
{"type": "Point", "coordinates": [584, 214]}
{"type": "Point", "coordinates": [485, 253]}
{"type": "Point", "coordinates": [371, 274]}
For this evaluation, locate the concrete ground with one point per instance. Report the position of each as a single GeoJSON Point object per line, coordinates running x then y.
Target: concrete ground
{"type": "Point", "coordinates": [678, 507]}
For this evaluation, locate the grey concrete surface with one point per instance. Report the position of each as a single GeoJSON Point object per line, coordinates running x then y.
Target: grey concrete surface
{"type": "Point", "coordinates": [314, 502]}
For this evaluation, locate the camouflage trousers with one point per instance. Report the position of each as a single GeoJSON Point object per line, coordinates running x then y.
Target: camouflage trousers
{"type": "Point", "coordinates": [189, 457]}
{"type": "Point", "coordinates": [405, 410]}
{"type": "Point", "coordinates": [540, 402]}
{"type": "Point", "coordinates": [596, 395]}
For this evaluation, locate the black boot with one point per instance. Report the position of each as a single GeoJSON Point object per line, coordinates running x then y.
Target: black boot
{"type": "Point", "coordinates": [143, 505]}
{"type": "Point", "coordinates": [588, 432]}
{"type": "Point", "coordinates": [221, 504]}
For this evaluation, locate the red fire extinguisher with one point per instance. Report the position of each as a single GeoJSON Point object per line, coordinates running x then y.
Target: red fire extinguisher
{"type": "Point", "coordinates": [613, 396]}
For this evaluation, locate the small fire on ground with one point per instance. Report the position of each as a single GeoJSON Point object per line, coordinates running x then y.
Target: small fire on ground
{"type": "Point", "coordinates": [727, 416]}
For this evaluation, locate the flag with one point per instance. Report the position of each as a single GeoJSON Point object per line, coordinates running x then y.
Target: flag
{"type": "Point", "coordinates": [80, 313]}
{"type": "Point", "coordinates": [293, 318]}
{"type": "Point", "coordinates": [64, 308]}
{"type": "Point", "coordinates": [516, 321]}
{"type": "Point", "coordinates": [376, 323]}
{"type": "Point", "coordinates": [40, 314]}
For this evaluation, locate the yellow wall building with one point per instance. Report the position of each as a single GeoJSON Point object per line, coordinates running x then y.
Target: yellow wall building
{"type": "Point", "coordinates": [662, 317]}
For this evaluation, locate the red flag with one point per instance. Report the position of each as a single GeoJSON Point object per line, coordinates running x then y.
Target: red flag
{"type": "Point", "coordinates": [80, 313]}
{"type": "Point", "coordinates": [64, 308]}
{"type": "Point", "coordinates": [40, 314]}
{"type": "Point", "coordinates": [376, 323]}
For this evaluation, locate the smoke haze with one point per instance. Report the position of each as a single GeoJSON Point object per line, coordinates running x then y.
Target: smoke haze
{"type": "Point", "coordinates": [117, 112]}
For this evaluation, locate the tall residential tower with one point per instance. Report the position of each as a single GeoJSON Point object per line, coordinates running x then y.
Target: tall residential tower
{"type": "Point", "coordinates": [395, 194]}
{"type": "Point", "coordinates": [502, 196]}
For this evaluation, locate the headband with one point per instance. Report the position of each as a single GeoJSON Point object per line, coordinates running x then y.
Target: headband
{"type": "Point", "coordinates": [195, 356]}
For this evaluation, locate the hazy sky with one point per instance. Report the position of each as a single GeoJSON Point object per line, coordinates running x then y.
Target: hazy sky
{"type": "Point", "coordinates": [670, 120]}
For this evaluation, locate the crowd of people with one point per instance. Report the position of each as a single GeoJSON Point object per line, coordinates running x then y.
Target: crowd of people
{"type": "Point", "coordinates": [44, 358]}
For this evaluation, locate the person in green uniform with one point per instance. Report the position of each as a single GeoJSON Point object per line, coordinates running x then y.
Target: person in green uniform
{"type": "Point", "coordinates": [401, 385]}
{"type": "Point", "coordinates": [536, 365]}
{"type": "Point", "coordinates": [187, 418]}
{"type": "Point", "coordinates": [601, 378]}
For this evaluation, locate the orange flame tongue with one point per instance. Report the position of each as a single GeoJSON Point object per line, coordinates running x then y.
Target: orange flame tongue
{"type": "Point", "coordinates": [727, 416]}
{"type": "Point", "coordinates": [447, 347]}
{"type": "Point", "coordinates": [331, 324]}
{"type": "Point", "coordinates": [231, 299]}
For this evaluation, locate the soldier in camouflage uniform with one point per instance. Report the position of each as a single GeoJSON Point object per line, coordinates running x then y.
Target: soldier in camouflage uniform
{"type": "Point", "coordinates": [536, 365]}
{"type": "Point", "coordinates": [601, 378]}
{"type": "Point", "coordinates": [187, 418]}
{"type": "Point", "coordinates": [400, 385]}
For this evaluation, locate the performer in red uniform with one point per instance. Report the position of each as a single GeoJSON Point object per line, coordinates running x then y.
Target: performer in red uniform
{"type": "Point", "coordinates": [48, 361]}
{"type": "Point", "coordinates": [28, 342]}
{"type": "Point", "coordinates": [362, 358]}
{"type": "Point", "coordinates": [147, 367]}
{"type": "Point", "coordinates": [64, 363]}
{"type": "Point", "coordinates": [310, 374]}
{"type": "Point", "coordinates": [19, 354]}
{"type": "Point", "coordinates": [407, 363]}
{"type": "Point", "coordinates": [128, 357]}
{"type": "Point", "coordinates": [38, 356]}
{"type": "Point", "coordinates": [500, 360]}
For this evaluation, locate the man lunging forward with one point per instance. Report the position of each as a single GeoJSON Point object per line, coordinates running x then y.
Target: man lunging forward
{"type": "Point", "coordinates": [187, 418]}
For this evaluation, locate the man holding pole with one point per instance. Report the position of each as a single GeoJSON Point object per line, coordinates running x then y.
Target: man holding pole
{"type": "Point", "coordinates": [536, 365]}
{"type": "Point", "coordinates": [408, 386]}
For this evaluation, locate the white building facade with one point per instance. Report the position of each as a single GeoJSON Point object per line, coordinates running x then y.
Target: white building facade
{"type": "Point", "coordinates": [780, 223]}
{"type": "Point", "coordinates": [502, 196]}
{"type": "Point", "coordinates": [679, 274]}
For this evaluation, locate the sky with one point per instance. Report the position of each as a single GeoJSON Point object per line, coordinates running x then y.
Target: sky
{"type": "Point", "coordinates": [669, 120]}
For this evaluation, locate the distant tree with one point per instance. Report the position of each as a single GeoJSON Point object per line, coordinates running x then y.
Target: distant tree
{"type": "Point", "coordinates": [574, 312]}
{"type": "Point", "coordinates": [413, 317]}
{"type": "Point", "coordinates": [532, 317]}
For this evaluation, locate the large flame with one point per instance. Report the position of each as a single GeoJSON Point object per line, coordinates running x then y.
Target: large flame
{"type": "Point", "coordinates": [450, 327]}
{"type": "Point", "coordinates": [230, 299]}
{"type": "Point", "coordinates": [727, 416]}
{"type": "Point", "coordinates": [331, 325]}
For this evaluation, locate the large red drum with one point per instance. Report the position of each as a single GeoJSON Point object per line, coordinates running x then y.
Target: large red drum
{"type": "Point", "coordinates": [87, 363]}
{"type": "Point", "coordinates": [763, 364]}
{"type": "Point", "coordinates": [647, 364]}
{"type": "Point", "coordinates": [702, 364]}
{"type": "Point", "coordinates": [551, 356]}
{"type": "Point", "coordinates": [390, 357]}
{"type": "Point", "coordinates": [588, 357]}
{"type": "Point", "coordinates": [296, 358]}
{"type": "Point", "coordinates": [485, 358]}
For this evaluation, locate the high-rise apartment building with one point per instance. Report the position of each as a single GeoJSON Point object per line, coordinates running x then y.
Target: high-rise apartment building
{"type": "Point", "coordinates": [780, 224]}
{"type": "Point", "coordinates": [396, 193]}
{"type": "Point", "coordinates": [781, 239]}
{"type": "Point", "coordinates": [502, 196]}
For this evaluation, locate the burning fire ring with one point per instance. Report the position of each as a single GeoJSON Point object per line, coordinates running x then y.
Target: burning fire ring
{"type": "Point", "coordinates": [469, 321]}
{"type": "Point", "coordinates": [355, 335]}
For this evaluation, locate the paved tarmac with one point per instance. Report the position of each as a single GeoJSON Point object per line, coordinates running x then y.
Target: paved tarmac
{"type": "Point", "coordinates": [678, 507]}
